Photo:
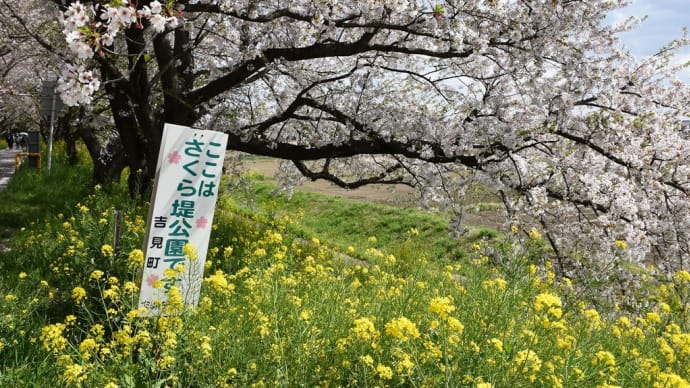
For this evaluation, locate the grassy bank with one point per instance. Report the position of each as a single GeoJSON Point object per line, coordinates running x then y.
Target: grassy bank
{"type": "Point", "coordinates": [348, 225]}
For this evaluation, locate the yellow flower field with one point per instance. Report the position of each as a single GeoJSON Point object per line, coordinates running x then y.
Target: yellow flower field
{"type": "Point", "coordinates": [281, 310]}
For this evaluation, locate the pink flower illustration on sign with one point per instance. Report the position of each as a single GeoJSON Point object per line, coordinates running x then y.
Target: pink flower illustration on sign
{"type": "Point", "coordinates": [202, 222]}
{"type": "Point", "coordinates": [174, 157]}
{"type": "Point", "coordinates": [152, 279]}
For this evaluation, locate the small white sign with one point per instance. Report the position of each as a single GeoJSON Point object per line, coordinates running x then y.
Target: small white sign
{"type": "Point", "coordinates": [190, 164]}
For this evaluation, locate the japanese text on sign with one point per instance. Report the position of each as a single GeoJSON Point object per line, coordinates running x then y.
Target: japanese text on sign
{"type": "Point", "coordinates": [190, 162]}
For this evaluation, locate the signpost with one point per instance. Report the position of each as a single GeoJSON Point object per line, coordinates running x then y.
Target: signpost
{"type": "Point", "coordinates": [190, 164]}
{"type": "Point", "coordinates": [51, 106]}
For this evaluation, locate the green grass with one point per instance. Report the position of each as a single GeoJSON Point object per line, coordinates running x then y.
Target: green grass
{"type": "Point", "coordinates": [346, 223]}
{"type": "Point", "coordinates": [32, 194]}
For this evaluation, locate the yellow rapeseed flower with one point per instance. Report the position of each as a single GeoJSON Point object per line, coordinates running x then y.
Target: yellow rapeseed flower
{"type": "Point", "coordinates": [206, 346]}
{"type": "Point", "coordinates": [666, 350]}
{"type": "Point", "coordinates": [670, 380]}
{"type": "Point", "coordinates": [404, 364]}
{"type": "Point", "coordinates": [130, 287]}
{"type": "Point", "coordinates": [534, 234]}
{"type": "Point", "coordinates": [566, 342]}
{"type": "Point", "coordinates": [495, 284]}
{"type": "Point", "coordinates": [652, 318]}
{"type": "Point", "coordinates": [384, 372]}
{"type": "Point", "coordinates": [592, 317]}
{"type": "Point", "coordinates": [402, 328]}
{"type": "Point", "coordinates": [455, 325]}
{"type": "Point", "coordinates": [441, 306]}
{"type": "Point", "coordinates": [88, 348]}
{"type": "Point", "coordinates": [549, 303]}
{"type": "Point", "coordinates": [97, 330]}
{"type": "Point", "coordinates": [432, 352]}
{"type": "Point", "coordinates": [107, 250]}
{"type": "Point", "coordinates": [175, 301]}
{"type": "Point", "coordinates": [682, 343]}
{"type": "Point", "coordinates": [132, 314]}
{"type": "Point", "coordinates": [52, 337]}
{"type": "Point", "coordinates": [78, 294]}
{"type": "Point", "coordinates": [364, 329]}
{"type": "Point", "coordinates": [605, 358]}
{"type": "Point", "coordinates": [367, 360]}
{"type": "Point", "coordinates": [166, 361]}
{"type": "Point", "coordinates": [189, 251]}
{"type": "Point", "coordinates": [111, 293]}
{"type": "Point", "coordinates": [105, 352]}
{"type": "Point", "coordinates": [526, 361]}
{"type": "Point", "coordinates": [497, 343]}
{"type": "Point", "coordinates": [219, 282]}
{"type": "Point", "coordinates": [170, 273]}
{"type": "Point", "coordinates": [74, 374]}
{"type": "Point", "coordinates": [620, 244]}
{"type": "Point", "coordinates": [682, 276]}
{"type": "Point", "coordinates": [306, 315]}
{"type": "Point", "coordinates": [135, 259]}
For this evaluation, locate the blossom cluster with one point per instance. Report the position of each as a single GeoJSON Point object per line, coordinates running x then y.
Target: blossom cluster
{"type": "Point", "coordinates": [78, 84]}
{"type": "Point", "coordinates": [90, 30]}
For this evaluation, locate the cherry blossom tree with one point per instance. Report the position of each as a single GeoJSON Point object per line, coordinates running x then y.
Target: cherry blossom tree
{"type": "Point", "coordinates": [32, 51]}
{"type": "Point", "coordinates": [19, 62]}
{"type": "Point", "coordinates": [532, 98]}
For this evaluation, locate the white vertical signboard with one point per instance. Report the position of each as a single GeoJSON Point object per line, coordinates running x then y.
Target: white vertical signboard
{"type": "Point", "coordinates": [190, 164]}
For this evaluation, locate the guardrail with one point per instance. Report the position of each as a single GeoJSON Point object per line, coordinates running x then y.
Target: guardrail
{"type": "Point", "coordinates": [20, 155]}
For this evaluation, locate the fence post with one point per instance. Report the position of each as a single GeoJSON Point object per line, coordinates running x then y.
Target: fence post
{"type": "Point", "coordinates": [117, 228]}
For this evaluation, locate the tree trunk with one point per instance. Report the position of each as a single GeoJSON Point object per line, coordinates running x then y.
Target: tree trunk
{"type": "Point", "coordinates": [108, 160]}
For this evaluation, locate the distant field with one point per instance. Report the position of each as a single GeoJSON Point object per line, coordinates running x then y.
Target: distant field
{"type": "Point", "coordinates": [487, 210]}
{"type": "Point", "coordinates": [386, 194]}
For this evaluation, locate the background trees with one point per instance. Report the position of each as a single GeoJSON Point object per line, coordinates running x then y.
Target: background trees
{"type": "Point", "coordinates": [531, 98]}
{"type": "Point", "coordinates": [20, 64]}
{"type": "Point", "coordinates": [32, 51]}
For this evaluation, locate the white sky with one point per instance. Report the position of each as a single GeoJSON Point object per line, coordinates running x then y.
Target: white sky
{"type": "Point", "coordinates": [665, 21]}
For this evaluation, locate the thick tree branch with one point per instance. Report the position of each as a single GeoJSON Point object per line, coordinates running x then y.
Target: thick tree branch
{"type": "Point", "coordinates": [286, 150]}
{"type": "Point", "coordinates": [325, 174]}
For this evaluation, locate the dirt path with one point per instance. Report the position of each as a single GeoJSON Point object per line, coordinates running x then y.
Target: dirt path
{"type": "Point", "coordinates": [7, 167]}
